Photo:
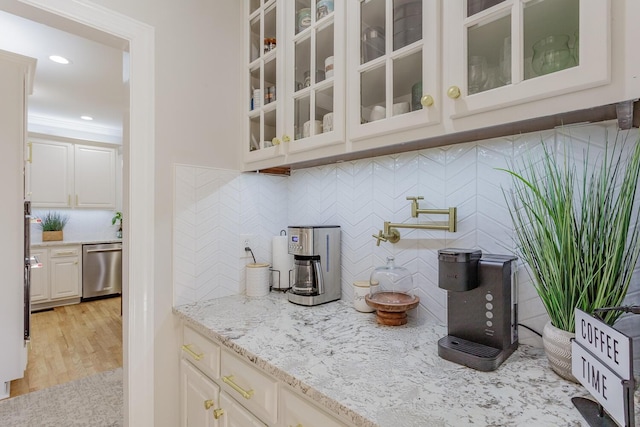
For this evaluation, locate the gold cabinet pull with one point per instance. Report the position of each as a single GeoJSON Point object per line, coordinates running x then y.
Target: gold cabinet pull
{"type": "Point", "coordinates": [453, 92]}
{"type": "Point", "coordinates": [275, 141]}
{"type": "Point", "coordinates": [30, 157]}
{"type": "Point", "coordinates": [244, 393]}
{"type": "Point", "coordinates": [197, 356]}
{"type": "Point", "coordinates": [286, 138]}
{"type": "Point", "coordinates": [426, 100]}
{"type": "Point", "coordinates": [208, 404]}
{"type": "Point", "coordinates": [218, 412]}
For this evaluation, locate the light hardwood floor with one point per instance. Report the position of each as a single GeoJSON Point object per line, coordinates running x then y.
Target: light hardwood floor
{"type": "Point", "coordinates": [72, 342]}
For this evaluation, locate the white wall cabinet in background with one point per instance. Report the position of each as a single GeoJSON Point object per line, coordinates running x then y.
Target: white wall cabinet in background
{"type": "Point", "coordinates": [65, 175]}
{"type": "Point", "coordinates": [220, 389]}
{"type": "Point", "coordinates": [59, 280]}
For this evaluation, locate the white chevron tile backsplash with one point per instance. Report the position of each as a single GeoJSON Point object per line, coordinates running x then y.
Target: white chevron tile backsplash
{"type": "Point", "coordinates": [213, 207]}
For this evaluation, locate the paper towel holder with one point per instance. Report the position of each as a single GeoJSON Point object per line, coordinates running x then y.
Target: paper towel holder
{"type": "Point", "coordinates": [278, 275]}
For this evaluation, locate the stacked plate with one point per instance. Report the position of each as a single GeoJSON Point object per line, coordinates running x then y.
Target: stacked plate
{"type": "Point", "coordinates": [407, 23]}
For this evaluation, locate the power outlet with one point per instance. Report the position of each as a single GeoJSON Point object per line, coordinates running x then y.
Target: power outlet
{"type": "Point", "coordinates": [246, 240]}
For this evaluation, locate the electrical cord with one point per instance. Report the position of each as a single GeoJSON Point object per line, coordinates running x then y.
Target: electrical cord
{"type": "Point", "coordinates": [526, 327]}
{"type": "Point", "coordinates": [248, 249]}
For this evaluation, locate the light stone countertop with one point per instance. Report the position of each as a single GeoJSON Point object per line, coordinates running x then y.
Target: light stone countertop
{"type": "Point", "coordinates": [380, 375]}
{"type": "Point", "coordinates": [73, 242]}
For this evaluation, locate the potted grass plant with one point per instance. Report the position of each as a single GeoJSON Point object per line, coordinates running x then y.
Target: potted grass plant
{"type": "Point", "coordinates": [577, 227]}
{"type": "Point", "coordinates": [52, 224]}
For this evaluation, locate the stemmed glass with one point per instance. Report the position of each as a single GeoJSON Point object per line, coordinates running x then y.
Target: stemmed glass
{"type": "Point", "coordinates": [477, 73]}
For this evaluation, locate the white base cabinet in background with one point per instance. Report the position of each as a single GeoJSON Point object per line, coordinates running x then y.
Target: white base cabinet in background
{"type": "Point", "coordinates": [59, 280]}
{"type": "Point", "coordinates": [219, 388]}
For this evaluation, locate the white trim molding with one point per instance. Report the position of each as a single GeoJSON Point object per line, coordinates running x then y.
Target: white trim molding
{"type": "Point", "coordinates": [138, 313]}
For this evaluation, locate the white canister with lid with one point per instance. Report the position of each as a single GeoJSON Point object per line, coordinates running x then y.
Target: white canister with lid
{"type": "Point", "coordinates": [328, 67]}
{"type": "Point", "coordinates": [361, 288]}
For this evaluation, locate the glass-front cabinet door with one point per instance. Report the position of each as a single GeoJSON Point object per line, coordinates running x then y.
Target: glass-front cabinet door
{"type": "Point", "coordinates": [315, 73]}
{"type": "Point", "coordinates": [263, 106]}
{"type": "Point", "coordinates": [394, 66]}
{"type": "Point", "coordinates": [500, 53]}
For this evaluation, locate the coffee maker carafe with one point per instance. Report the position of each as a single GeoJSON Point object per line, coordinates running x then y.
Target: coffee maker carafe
{"type": "Point", "coordinates": [316, 258]}
{"type": "Point", "coordinates": [482, 307]}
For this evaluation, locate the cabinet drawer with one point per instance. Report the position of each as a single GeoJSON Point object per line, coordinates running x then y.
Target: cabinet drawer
{"type": "Point", "coordinates": [297, 411]}
{"type": "Point", "coordinates": [64, 251]}
{"type": "Point", "coordinates": [202, 352]}
{"type": "Point", "coordinates": [255, 390]}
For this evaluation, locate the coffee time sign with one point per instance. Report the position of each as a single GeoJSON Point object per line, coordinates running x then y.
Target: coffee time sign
{"type": "Point", "coordinates": [602, 362]}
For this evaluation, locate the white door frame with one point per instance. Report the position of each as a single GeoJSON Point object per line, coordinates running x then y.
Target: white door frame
{"type": "Point", "coordinates": [138, 203]}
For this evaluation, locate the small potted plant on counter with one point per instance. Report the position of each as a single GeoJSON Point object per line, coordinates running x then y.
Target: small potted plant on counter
{"type": "Point", "coordinates": [117, 217]}
{"type": "Point", "coordinates": [577, 226]}
{"type": "Point", "coordinates": [52, 224]}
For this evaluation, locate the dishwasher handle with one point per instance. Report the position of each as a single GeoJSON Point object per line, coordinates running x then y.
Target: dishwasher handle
{"type": "Point", "coordinates": [104, 250]}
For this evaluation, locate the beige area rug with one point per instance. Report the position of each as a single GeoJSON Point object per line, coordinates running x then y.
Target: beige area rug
{"type": "Point", "coordinates": [94, 401]}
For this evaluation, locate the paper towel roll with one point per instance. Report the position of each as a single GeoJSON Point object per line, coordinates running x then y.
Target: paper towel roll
{"type": "Point", "coordinates": [282, 261]}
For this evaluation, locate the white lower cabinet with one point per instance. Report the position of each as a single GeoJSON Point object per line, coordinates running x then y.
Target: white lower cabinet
{"type": "Point", "coordinates": [235, 415]}
{"type": "Point", "coordinates": [219, 388]}
{"type": "Point", "coordinates": [200, 395]}
{"type": "Point", "coordinates": [59, 280]}
{"type": "Point", "coordinates": [297, 411]}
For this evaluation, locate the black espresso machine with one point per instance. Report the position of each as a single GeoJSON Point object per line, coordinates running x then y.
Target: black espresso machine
{"type": "Point", "coordinates": [482, 307]}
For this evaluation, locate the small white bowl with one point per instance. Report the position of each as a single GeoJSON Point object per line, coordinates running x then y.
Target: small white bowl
{"type": "Point", "coordinates": [400, 108]}
{"type": "Point", "coordinates": [377, 112]}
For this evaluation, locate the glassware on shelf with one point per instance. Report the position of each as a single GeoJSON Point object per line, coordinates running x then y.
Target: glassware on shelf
{"type": "Point", "coordinates": [576, 47]}
{"type": "Point", "coordinates": [505, 61]}
{"type": "Point", "coordinates": [372, 43]}
{"type": "Point", "coordinates": [551, 54]}
{"type": "Point", "coordinates": [477, 73]}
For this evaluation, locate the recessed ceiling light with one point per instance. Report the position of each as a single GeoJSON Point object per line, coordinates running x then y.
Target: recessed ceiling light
{"type": "Point", "coordinates": [59, 59]}
{"type": "Point", "coordinates": [86, 117]}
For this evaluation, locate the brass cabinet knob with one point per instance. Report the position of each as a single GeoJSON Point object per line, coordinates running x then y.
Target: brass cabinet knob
{"type": "Point", "coordinates": [275, 141]}
{"type": "Point", "coordinates": [453, 92]}
{"type": "Point", "coordinates": [285, 138]}
{"type": "Point", "coordinates": [208, 404]}
{"type": "Point", "coordinates": [426, 100]}
{"type": "Point", "coordinates": [217, 413]}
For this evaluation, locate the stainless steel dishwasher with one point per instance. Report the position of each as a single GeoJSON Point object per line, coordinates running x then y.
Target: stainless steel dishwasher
{"type": "Point", "coordinates": [101, 270]}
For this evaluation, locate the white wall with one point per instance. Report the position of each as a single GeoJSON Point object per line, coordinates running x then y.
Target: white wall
{"type": "Point", "coordinates": [359, 196]}
{"type": "Point", "coordinates": [198, 48]}
{"type": "Point", "coordinates": [83, 225]}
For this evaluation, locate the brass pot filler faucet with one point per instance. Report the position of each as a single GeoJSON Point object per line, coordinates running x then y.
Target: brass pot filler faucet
{"type": "Point", "coordinates": [391, 234]}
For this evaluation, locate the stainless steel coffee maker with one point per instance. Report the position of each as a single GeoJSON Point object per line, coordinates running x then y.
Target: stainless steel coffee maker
{"type": "Point", "coordinates": [482, 307]}
{"type": "Point", "coordinates": [316, 264]}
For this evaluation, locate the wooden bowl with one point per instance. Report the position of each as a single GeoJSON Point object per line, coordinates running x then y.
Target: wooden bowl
{"type": "Point", "coordinates": [391, 307]}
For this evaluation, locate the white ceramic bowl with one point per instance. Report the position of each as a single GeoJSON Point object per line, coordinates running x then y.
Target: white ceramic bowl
{"type": "Point", "coordinates": [378, 112]}
{"type": "Point", "coordinates": [400, 108]}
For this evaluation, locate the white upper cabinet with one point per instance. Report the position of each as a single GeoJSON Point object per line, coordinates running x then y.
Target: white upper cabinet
{"type": "Point", "coordinates": [393, 66]}
{"type": "Point", "coordinates": [502, 53]}
{"type": "Point", "coordinates": [64, 175]}
{"type": "Point", "coordinates": [295, 83]}
{"type": "Point", "coordinates": [264, 84]}
{"type": "Point", "coordinates": [315, 80]}
{"type": "Point", "coordinates": [418, 70]}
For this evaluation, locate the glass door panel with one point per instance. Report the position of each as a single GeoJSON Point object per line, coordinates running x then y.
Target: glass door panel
{"type": "Point", "coordinates": [551, 28]}
{"type": "Point", "coordinates": [324, 108]}
{"type": "Point", "coordinates": [372, 29]}
{"type": "Point", "coordinates": [302, 64]}
{"type": "Point", "coordinates": [253, 5]}
{"type": "Point", "coordinates": [302, 15]}
{"type": "Point", "coordinates": [270, 26]}
{"type": "Point", "coordinates": [269, 127]}
{"type": "Point", "coordinates": [270, 73]}
{"type": "Point", "coordinates": [254, 36]}
{"type": "Point", "coordinates": [255, 89]}
{"type": "Point", "coordinates": [476, 6]}
{"type": "Point", "coordinates": [254, 131]}
{"type": "Point", "coordinates": [373, 95]}
{"type": "Point", "coordinates": [407, 72]}
{"type": "Point", "coordinates": [489, 62]}
{"type": "Point", "coordinates": [407, 22]}
{"type": "Point", "coordinates": [302, 113]}
{"type": "Point", "coordinates": [324, 52]}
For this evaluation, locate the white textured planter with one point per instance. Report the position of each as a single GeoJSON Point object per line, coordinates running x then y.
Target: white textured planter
{"type": "Point", "coordinates": [557, 346]}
